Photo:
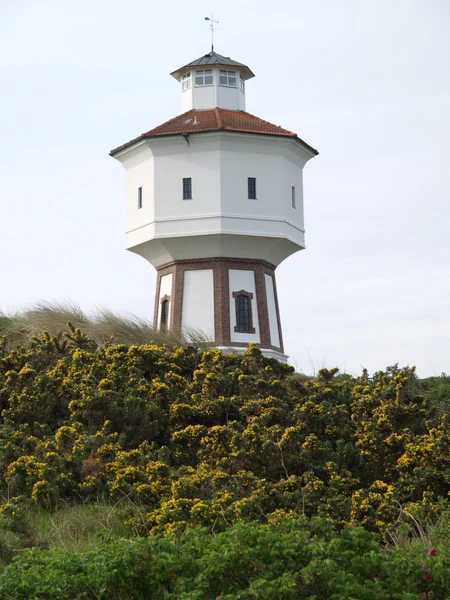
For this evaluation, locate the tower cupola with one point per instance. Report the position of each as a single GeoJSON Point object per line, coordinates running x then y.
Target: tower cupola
{"type": "Point", "coordinates": [213, 81]}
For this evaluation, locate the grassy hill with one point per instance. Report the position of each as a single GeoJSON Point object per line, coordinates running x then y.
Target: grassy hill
{"type": "Point", "coordinates": [149, 471]}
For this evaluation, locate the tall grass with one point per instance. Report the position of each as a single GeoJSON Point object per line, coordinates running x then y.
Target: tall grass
{"type": "Point", "coordinates": [76, 528]}
{"type": "Point", "coordinates": [105, 327]}
{"type": "Point", "coordinates": [72, 527]}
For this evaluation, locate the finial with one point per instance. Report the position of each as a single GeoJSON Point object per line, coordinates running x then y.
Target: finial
{"type": "Point", "coordinates": [212, 21]}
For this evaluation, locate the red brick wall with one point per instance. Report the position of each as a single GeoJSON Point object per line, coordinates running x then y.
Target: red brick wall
{"type": "Point", "coordinates": [220, 268]}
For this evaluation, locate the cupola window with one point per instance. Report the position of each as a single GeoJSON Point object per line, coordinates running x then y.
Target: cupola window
{"type": "Point", "coordinates": [293, 197]}
{"type": "Point", "coordinates": [242, 82]}
{"type": "Point", "coordinates": [228, 78]}
{"type": "Point", "coordinates": [139, 197]}
{"type": "Point", "coordinates": [185, 82]}
{"type": "Point", "coordinates": [244, 317]}
{"type": "Point", "coordinates": [203, 78]}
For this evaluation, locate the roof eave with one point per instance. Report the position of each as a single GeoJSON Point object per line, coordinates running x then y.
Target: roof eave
{"type": "Point", "coordinates": [144, 137]}
{"type": "Point", "coordinates": [246, 72]}
{"type": "Point", "coordinates": [125, 146]}
{"type": "Point", "coordinates": [216, 130]}
{"type": "Point", "coordinates": [313, 151]}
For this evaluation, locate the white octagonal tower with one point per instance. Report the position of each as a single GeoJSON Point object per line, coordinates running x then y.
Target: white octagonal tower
{"type": "Point", "coordinates": [215, 203]}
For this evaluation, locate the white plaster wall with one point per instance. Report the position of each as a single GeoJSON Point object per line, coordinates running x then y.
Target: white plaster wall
{"type": "Point", "coordinates": [272, 309]}
{"type": "Point", "coordinates": [237, 167]}
{"type": "Point", "coordinates": [219, 165]}
{"type": "Point", "coordinates": [293, 176]}
{"type": "Point", "coordinates": [243, 280]}
{"type": "Point", "coordinates": [161, 251]}
{"type": "Point", "coordinates": [175, 159]}
{"type": "Point", "coordinates": [139, 167]}
{"type": "Point", "coordinates": [198, 301]}
{"type": "Point", "coordinates": [230, 98]}
{"type": "Point", "coordinates": [277, 166]}
{"type": "Point", "coordinates": [204, 96]}
{"type": "Point", "coordinates": [165, 290]}
{"type": "Point", "coordinates": [241, 98]}
{"type": "Point", "coordinates": [186, 99]}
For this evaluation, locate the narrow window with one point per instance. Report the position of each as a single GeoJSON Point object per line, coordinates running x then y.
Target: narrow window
{"type": "Point", "coordinates": [185, 82]}
{"type": "Point", "coordinates": [139, 197]}
{"type": "Point", "coordinates": [242, 81]}
{"type": "Point", "coordinates": [187, 188]}
{"type": "Point", "coordinates": [252, 188]}
{"type": "Point", "coordinates": [243, 313]}
{"type": "Point", "coordinates": [243, 306]}
{"type": "Point", "coordinates": [164, 314]}
{"type": "Point", "coordinates": [293, 196]}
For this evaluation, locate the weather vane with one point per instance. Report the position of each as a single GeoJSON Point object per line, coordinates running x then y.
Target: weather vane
{"type": "Point", "coordinates": [212, 21]}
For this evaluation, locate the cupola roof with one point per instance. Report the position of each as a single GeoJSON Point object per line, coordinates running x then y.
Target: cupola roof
{"type": "Point", "coordinates": [213, 59]}
{"type": "Point", "coordinates": [215, 119]}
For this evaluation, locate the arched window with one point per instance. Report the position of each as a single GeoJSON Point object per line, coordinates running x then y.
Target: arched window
{"type": "Point", "coordinates": [164, 314]}
{"type": "Point", "coordinates": [244, 318]}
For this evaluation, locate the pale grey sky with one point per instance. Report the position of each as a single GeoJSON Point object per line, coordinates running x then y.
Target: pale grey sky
{"type": "Point", "coordinates": [367, 83]}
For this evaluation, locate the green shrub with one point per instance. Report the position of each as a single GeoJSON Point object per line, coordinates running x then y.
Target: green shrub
{"type": "Point", "coordinates": [287, 560]}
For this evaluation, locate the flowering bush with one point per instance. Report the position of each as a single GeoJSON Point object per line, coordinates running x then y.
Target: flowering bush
{"type": "Point", "coordinates": [212, 440]}
{"type": "Point", "coordinates": [242, 435]}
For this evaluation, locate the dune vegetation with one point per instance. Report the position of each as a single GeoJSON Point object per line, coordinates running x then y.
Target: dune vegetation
{"type": "Point", "coordinates": [104, 327]}
{"type": "Point", "coordinates": [133, 466]}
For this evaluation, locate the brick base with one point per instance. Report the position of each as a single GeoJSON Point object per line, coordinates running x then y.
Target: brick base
{"type": "Point", "coordinates": [220, 268]}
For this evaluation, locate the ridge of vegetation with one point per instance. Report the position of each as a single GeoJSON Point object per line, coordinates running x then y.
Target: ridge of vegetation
{"type": "Point", "coordinates": [104, 327]}
{"type": "Point", "coordinates": [198, 461]}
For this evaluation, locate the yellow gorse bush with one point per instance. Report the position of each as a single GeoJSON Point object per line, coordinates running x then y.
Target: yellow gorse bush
{"type": "Point", "coordinates": [209, 439]}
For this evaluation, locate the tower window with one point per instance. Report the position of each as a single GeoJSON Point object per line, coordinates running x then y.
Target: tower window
{"type": "Point", "coordinates": [293, 197]}
{"type": "Point", "coordinates": [187, 188]}
{"type": "Point", "coordinates": [242, 82]}
{"type": "Point", "coordinates": [185, 82]}
{"type": "Point", "coordinates": [139, 197]}
{"type": "Point", "coordinates": [164, 313]}
{"type": "Point", "coordinates": [228, 78]}
{"type": "Point", "coordinates": [203, 77]}
{"type": "Point", "coordinates": [244, 318]}
{"type": "Point", "coordinates": [252, 188]}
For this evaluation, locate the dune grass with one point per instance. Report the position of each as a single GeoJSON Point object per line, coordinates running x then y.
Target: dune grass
{"type": "Point", "coordinates": [71, 527]}
{"type": "Point", "coordinates": [77, 527]}
{"type": "Point", "coordinates": [104, 326]}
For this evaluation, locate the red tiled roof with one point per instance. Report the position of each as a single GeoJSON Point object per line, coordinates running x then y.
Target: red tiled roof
{"type": "Point", "coordinates": [215, 119]}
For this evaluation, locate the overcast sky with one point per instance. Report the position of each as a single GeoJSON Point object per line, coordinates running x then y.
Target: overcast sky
{"type": "Point", "coordinates": [367, 83]}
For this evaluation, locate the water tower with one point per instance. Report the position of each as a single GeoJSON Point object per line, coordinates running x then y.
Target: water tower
{"type": "Point", "coordinates": [214, 202]}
